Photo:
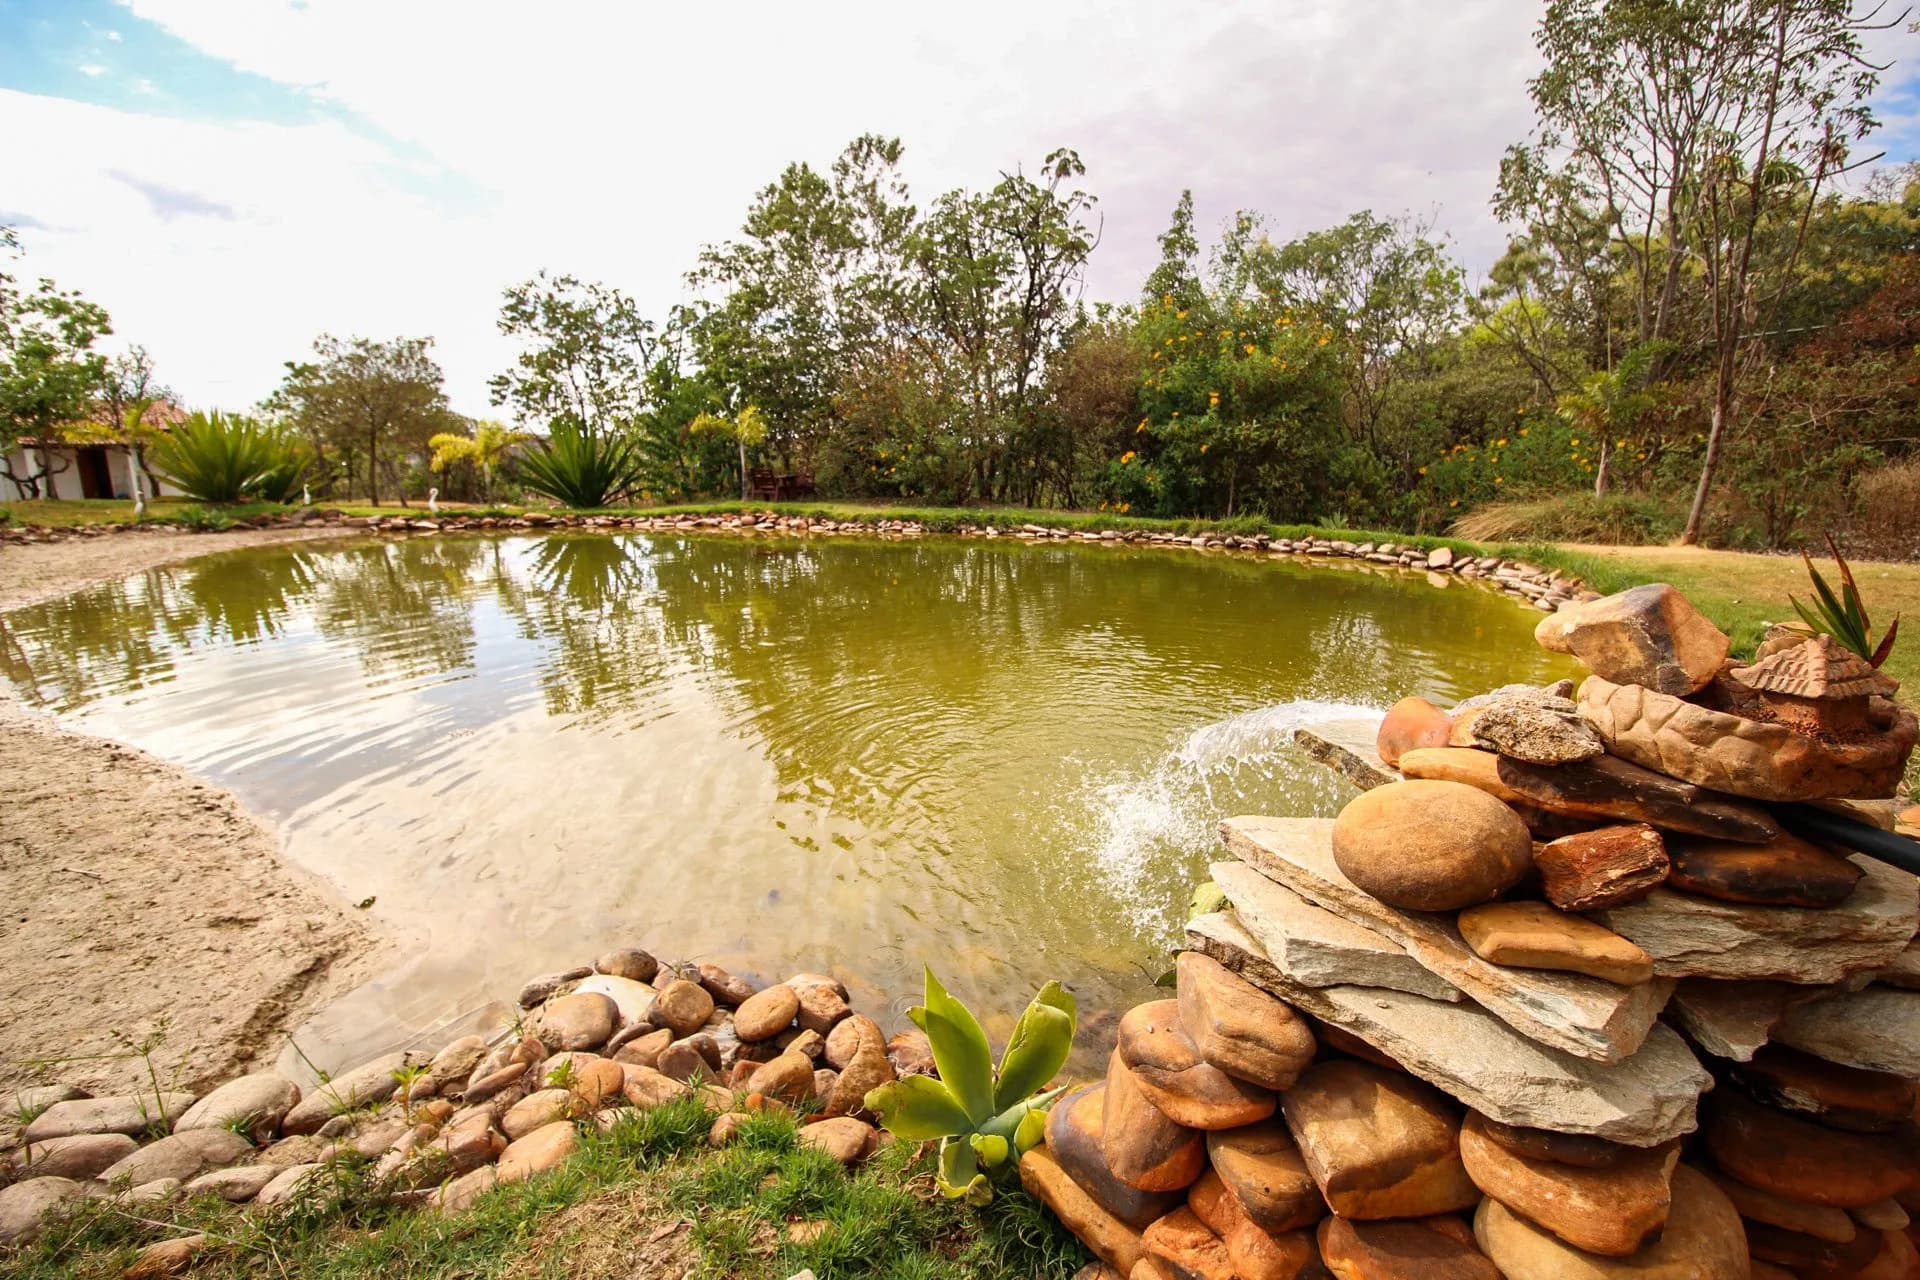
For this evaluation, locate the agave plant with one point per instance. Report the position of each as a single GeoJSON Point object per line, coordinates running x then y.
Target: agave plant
{"type": "Point", "coordinates": [220, 457]}
{"type": "Point", "coordinates": [1844, 617]}
{"type": "Point", "coordinates": [985, 1119]}
{"type": "Point", "coordinates": [581, 468]}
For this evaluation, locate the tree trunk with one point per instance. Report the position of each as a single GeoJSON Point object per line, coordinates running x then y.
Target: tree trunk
{"type": "Point", "coordinates": [743, 467]}
{"type": "Point", "coordinates": [373, 467]}
{"type": "Point", "coordinates": [1716, 433]}
{"type": "Point", "coordinates": [133, 477]}
{"type": "Point", "coordinates": [1600, 475]}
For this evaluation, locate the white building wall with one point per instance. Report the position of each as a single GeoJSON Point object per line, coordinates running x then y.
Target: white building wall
{"type": "Point", "coordinates": [66, 482]}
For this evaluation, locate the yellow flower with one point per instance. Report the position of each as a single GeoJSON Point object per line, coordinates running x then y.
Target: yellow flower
{"type": "Point", "coordinates": [1523, 431]}
{"type": "Point", "coordinates": [1497, 480]}
{"type": "Point", "coordinates": [1124, 507]}
{"type": "Point", "coordinates": [1423, 471]}
{"type": "Point", "coordinates": [1176, 413]}
{"type": "Point", "coordinates": [1142, 427]}
{"type": "Point", "coordinates": [1248, 348]}
{"type": "Point", "coordinates": [1179, 315]}
{"type": "Point", "coordinates": [1576, 440]}
{"type": "Point", "coordinates": [1126, 457]}
{"type": "Point", "coordinates": [1500, 443]}
{"type": "Point", "coordinates": [1322, 341]}
{"type": "Point", "coordinates": [1620, 443]}
{"type": "Point", "coordinates": [1213, 399]}
{"type": "Point", "coordinates": [1203, 448]}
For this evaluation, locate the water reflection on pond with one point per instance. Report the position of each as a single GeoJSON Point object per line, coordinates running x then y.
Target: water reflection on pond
{"type": "Point", "coordinates": [850, 756]}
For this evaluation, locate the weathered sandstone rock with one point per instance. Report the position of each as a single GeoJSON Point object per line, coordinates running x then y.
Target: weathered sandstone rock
{"type": "Point", "coordinates": [535, 1111]}
{"type": "Point", "coordinates": [1803, 1161]}
{"type": "Point", "coordinates": [727, 990]}
{"type": "Point", "coordinates": [1076, 1129]}
{"type": "Point", "coordinates": [1742, 757]}
{"type": "Point", "coordinates": [128, 1113]}
{"type": "Point", "coordinates": [1875, 1029]}
{"type": "Point", "coordinates": [1582, 1151]}
{"type": "Point", "coordinates": [1840, 1097]}
{"type": "Point", "coordinates": [1703, 1240]}
{"type": "Point", "coordinates": [1605, 867]}
{"type": "Point", "coordinates": [1253, 1254]}
{"type": "Point", "coordinates": [369, 1082]}
{"type": "Point", "coordinates": [1145, 1149]}
{"type": "Point", "coordinates": [1260, 1166]}
{"type": "Point", "coordinates": [645, 1050]}
{"type": "Point", "coordinates": [1419, 1250]}
{"type": "Point", "coordinates": [1430, 846]}
{"type": "Point", "coordinates": [582, 1020]}
{"type": "Point", "coordinates": [1186, 1246]}
{"type": "Point", "coordinates": [682, 1006]}
{"type": "Point", "coordinates": [1809, 1256]}
{"type": "Point", "coordinates": [1533, 935]}
{"type": "Point", "coordinates": [450, 1068]}
{"type": "Point", "coordinates": [236, 1185]}
{"type": "Point", "coordinates": [1603, 789]}
{"type": "Point", "coordinates": [179, 1156]}
{"type": "Point", "coordinates": [1645, 1099]}
{"type": "Point", "coordinates": [79, 1157]}
{"type": "Point", "coordinates": [285, 1185]}
{"type": "Point", "coordinates": [25, 1206]}
{"type": "Point", "coordinates": [460, 1194]}
{"type": "Point", "coordinates": [1570, 1012]}
{"type": "Point", "coordinates": [1409, 724]}
{"type": "Point", "coordinates": [256, 1103]}
{"type": "Point", "coordinates": [1823, 1222]}
{"type": "Point", "coordinates": [848, 1037]}
{"type": "Point", "coordinates": [1238, 1028]}
{"type": "Point", "coordinates": [1112, 1241]}
{"type": "Point", "coordinates": [1785, 872]}
{"type": "Point", "coordinates": [788, 1077]}
{"type": "Point", "coordinates": [543, 1149]}
{"type": "Point", "coordinates": [767, 1013]}
{"type": "Point", "coordinates": [1378, 1144]}
{"type": "Point", "coordinates": [1348, 747]}
{"type": "Point", "coordinates": [1690, 936]}
{"type": "Point", "coordinates": [1612, 1211]}
{"type": "Point", "coordinates": [1537, 729]}
{"type": "Point", "coordinates": [868, 1070]}
{"type": "Point", "coordinates": [628, 962]}
{"type": "Point", "coordinates": [1319, 947]}
{"type": "Point", "coordinates": [1650, 635]}
{"type": "Point", "coordinates": [543, 987]}
{"type": "Point", "coordinates": [845, 1138]}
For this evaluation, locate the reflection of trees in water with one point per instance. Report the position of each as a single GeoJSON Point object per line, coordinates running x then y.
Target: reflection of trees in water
{"type": "Point", "coordinates": [405, 606]}
{"type": "Point", "coordinates": [592, 603]}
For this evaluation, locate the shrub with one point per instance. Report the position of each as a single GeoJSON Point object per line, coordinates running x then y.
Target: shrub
{"type": "Point", "coordinates": [581, 468]}
{"type": "Point", "coordinates": [1575, 517]}
{"type": "Point", "coordinates": [216, 457]}
{"type": "Point", "coordinates": [1886, 518]}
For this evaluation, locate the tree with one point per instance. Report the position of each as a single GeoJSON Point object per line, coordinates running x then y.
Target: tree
{"type": "Point", "coordinates": [585, 359]}
{"type": "Point", "coordinates": [1693, 127]}
{"type": "Point", "coordinates": [1174, 278]}
{"type": "Point", "coordinates": [1609, 402]}
{"type": "Point", "coordinates": [386, 397]}
{"type": "Point", "coordinates": [485, 445]}
{"type": "Point", "coordinates": [49, 371]}
{"type": "Point", "coordinates": [122, 412]}
{"type": "Point", "coordinates": [747, 429]}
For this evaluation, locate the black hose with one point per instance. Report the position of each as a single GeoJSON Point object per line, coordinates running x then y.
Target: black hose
{"type": "Point", "coordinates": [1818, 824]}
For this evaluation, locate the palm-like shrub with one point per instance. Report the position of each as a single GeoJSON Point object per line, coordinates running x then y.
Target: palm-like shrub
{"type": "Point", "coordinates": [222, 457]}
{"type": "Point", "coordinates": [582, 468]}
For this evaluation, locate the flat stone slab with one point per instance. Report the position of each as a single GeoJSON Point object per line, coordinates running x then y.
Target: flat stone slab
{"type": "Point", "coordinates": [1319, 948]}
{"type": "Point", "coordinates": [1904, 971]}
{"type": "Point", "coordinates": [1473, 1056]}
{"type": "Point", "coordinates": [1583, 1016]}
{"type": "Point", "coordinates": [1693, 937]}
{"type": "Point", "coordinates": [1877, 1029]}
{"type": "Point", "coordinates": [1346, 746]}
{"type": "Point", "coordinates": [1733, 1019]}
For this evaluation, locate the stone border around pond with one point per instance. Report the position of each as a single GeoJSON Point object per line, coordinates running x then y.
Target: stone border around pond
{"type": "Point", "coordinates": [1541, 588]}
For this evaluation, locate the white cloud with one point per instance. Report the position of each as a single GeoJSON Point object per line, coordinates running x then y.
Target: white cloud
{"type": "Point", "coordinates": [92, 70]}
{"type": "Point", "coordinates": [613, 140]}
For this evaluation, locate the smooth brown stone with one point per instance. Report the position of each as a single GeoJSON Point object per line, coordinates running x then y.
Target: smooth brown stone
{"type": "Point", "coordinates": [1168, 1069]}
{"type": "Point", "coordinates": [1800, 1160]}
{"type": "Point", "coordinates": [1810, 1256]}
{"type": "Point", "coordinates": [1605, 867]}
{"type": "Point", "coordinates": [1612, 1211]}
{"type": "Point", "coordinates": [1111, 1240]}
{"type": "Point", "coordinates": [1431, 846]}
{"type": "Point", "coordinates": [1577, 1149]}
{"type": "Point", "coordinates": [682, 1006]}
{"type": "Point", "coordinates": [1411, 723]}
{"type": "Point", "coordinates": [1188, 1247]}
{"type": "Point", "coordinates": [1882, 1215]}
{"type": "Point", "coordinates": [1836, 1096]}
{"type": "Point", "coordinates": [1533, 935]}
{"type": "Point", "coordinates": [1823, 1222]}
{"type": "Point", "coordinates": [765, 1014]}
{"type": "Point", "coordinates": [644, 1051]}
{"type": "Point", "coordinates": [1648, 635]}
{"type": "Point", "coordinates": [1898, 1259]}
{"type": "Point", "coordinates": [1785, 872]}
{"type": "Point", "coordinates": [543, 1149]}
{"type": "Point", "coordinates": [1076, 1129]}
{"type": "Point", "coordinates": [1239, 1028]}
{"type": "Point", "coordinates": [1145, 1149]}
{"type": "Point", "coordinates": [788, 1077]}
{"type": "Point", "coordinates": [1378, 1144]}
{"type": "Point", "coordinates": [1703, 1240]}
{"type": "Point", "coordinates": [1261, 1167]}
{"type": "Point", "coordinates": [1423, 1249]}
{"type": "Point", "coordinates": [1255, 1254]}
{"type": "Point", "coordinates": [1605, 788]}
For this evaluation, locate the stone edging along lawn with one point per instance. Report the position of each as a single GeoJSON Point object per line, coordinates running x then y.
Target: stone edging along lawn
{"type": "Point", "coordinates": [1541, 586]}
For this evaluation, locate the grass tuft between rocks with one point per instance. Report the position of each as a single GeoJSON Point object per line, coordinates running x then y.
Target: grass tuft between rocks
{"type": "Point", "coordinates": [647, 1198]}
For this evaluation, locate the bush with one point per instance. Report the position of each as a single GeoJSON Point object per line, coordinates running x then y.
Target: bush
{"type": "Point", "coordinates": [1886, 517]}
{"type": "Point", "coordinates": [582, 468]}
{"type": "Point", "coordinates": [1625, 518]}
{"type": "Point", "coordinates": [216, 457]}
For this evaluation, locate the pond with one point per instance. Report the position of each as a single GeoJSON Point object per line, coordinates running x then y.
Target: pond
{"type": "Point", "coordinates": [850, 756]}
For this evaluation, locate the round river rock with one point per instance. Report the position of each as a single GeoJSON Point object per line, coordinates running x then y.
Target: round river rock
{"type": "Point", "coordinates": [1427, 845]}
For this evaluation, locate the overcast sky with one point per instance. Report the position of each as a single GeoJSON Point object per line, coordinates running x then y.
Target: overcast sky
{"type": "Point", "coordinates": [232, 177]}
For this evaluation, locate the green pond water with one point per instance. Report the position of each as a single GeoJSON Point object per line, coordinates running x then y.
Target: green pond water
{"type": "Point", "coordinates": [1002, 759]}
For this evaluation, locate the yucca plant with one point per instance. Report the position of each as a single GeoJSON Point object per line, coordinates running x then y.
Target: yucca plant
{"type": "Point", "coordinates": [1844, 617]}
{"type": "Point", "coordinates": [221, 457]}
{"type": "Point", "coordinates": [985, 1119]}
{"type": "Point", "coordinates": [581, 468]}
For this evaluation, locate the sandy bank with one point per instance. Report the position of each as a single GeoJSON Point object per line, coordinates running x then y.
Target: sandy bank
{"type": "Point", "coordinates": [140, 900]}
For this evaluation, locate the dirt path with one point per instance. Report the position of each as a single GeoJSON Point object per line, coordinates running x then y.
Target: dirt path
{"type": "Point", "coordinates": [139, 901]}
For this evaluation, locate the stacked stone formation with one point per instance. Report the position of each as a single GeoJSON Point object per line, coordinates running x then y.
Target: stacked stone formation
{"type": "Point", "coordinates": [1470, 1027]}
{"type": "Point", "coordinates": [440, 1129]}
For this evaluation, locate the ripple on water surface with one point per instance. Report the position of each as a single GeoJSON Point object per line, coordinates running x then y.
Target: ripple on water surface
{"type": "Point", "coordinates": [1003, 759]}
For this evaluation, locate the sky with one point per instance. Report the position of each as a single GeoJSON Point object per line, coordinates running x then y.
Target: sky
{"type": "Point", "coordinates": [232, 178]}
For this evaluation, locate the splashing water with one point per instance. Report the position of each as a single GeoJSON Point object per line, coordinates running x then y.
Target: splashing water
{"type": "Point", "coordinates": [1145, 832]}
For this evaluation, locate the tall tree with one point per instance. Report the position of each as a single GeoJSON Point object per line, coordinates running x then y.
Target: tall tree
{"type": "Point", "coordinates": [387, 398]}
{"type": "Point", "coordinates": [1174, 278]}
{"type": "Point", "coordinates": [1692, 127]}
{"type": "Point", "coordinates": [585, 359]}
{"type": "Point", "coordinates": [49, 371]}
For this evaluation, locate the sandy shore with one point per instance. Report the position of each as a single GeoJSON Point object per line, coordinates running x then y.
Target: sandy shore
{"type": "Point", "coordinates": [140, 902]}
